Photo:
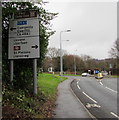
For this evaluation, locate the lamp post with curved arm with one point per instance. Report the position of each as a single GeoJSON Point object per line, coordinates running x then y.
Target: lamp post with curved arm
{"type": "Point", "coordinates": [61, 61]}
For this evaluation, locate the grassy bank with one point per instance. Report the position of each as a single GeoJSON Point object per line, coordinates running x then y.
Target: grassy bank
{"type": "Point", "coordinates": [115, 76]}
{"type": "Point", "coordinates": [71, 75]}
{"type": "Point", "coordinates": [47, 83]}
{"type": "Point", "coordinates": [18, 104]}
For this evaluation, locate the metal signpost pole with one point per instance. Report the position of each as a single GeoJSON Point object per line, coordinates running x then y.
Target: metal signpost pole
{"type": "Point", "coordinates": [61, 65]}
{"type": "Point", "coordinates": [35, 76]}
{"type": "Point", "coordinates": [11, 70]}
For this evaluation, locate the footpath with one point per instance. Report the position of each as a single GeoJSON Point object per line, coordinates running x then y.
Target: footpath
{"type": "Point", "coordinates": [67, 105]}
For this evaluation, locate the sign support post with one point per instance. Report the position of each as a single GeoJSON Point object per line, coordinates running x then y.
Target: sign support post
{"type": "Point", "coordinates": [24, 40]}
{"type": "Point", "coordinates": [35, 76]}
{"type": "Point", "coordinates": [11, 70]}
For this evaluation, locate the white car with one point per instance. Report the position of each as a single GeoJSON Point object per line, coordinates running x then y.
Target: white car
{"type": "Point", "coordinates": [85, 74]}
{"type": "Point", "coordinates": [104, 73]}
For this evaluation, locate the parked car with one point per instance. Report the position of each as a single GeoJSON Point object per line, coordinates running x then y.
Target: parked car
{"type": "Point", "coordinates": [85, 74]}
{"type": "Point", "coordinates": [104, 73]}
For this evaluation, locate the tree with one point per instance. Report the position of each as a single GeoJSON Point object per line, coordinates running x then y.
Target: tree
{"type": "Point", "coordinates": [23, 68]}
{"type": "Point", "coordinates": [80, 64]}
{"type": "Point", "coordinates": [53, 52]}
{"type": "Point", "coordinates": [68, 63]}
{"type": "Point", "coordinates": [114, 52]}
{"type": "Point", "coordinates": [46, 64]}
{"type": "Point", "coordinates": [53, 55]}
{"type": "Point", "coordinates": [50, 59]}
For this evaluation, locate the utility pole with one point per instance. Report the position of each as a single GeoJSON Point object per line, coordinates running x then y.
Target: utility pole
{"type": "Point", "coordinates": [75, 63]}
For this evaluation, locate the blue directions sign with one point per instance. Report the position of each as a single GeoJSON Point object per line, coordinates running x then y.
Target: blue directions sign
{"type": "Point", "coordinates": [97, 71]}
{"type": "Point", "coordinates": [21, 22]}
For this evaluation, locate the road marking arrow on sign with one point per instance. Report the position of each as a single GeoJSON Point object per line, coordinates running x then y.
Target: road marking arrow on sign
{"type": "Point", "coordinates": [12, 29]}
{"type": "Point", "coordinates": [35, 46]}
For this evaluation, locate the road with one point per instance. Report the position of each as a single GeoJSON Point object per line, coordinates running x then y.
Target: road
{"type": "Point", "coordinates": [67, 106]}
{"type": "Point", "coordinates": [99, 97]}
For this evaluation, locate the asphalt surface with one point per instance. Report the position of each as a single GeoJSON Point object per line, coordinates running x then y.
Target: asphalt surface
{"type": "Point", "coordinates": [99, 97]}
{"type": "Point", "coordinates": [67, 104]}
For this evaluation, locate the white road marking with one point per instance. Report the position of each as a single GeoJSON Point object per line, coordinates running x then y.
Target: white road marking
{"type": "Point", "coordinates": [77, 82]}
{"type": "Point", "coordinates": [111, 89]}
{"type": "Point", "coordinates": [114, 115]}
{"type": "Point", "coordinates": [83, 105]}
{"type": "Point", "coordinates": [92, 105]}
{"type": "Point", "coordinates": [90, 97]}
{"type": "Point", "coordinates": [78, 87]}
{"type": "Point", "coordinates": [101, 83]}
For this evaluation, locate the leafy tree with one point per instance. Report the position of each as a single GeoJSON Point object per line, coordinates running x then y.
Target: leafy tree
{"type": "Point", "coordinates": [23, 68]}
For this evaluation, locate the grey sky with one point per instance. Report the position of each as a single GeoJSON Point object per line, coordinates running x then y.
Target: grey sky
{"type": "Point", "coordinates": [93, 27]}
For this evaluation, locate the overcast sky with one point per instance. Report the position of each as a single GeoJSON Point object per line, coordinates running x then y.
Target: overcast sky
{"type": "Point", "coordinates": [93, 26]}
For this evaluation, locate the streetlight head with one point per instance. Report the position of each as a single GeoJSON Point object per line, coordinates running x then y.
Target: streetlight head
{"type": "Point", "coordinates": [68, 30]}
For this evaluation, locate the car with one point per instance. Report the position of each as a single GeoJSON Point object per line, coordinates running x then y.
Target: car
{"type": "Point", "coordinates": [104, 73]}
{"type": "Point", "coordinates": [85, 74]}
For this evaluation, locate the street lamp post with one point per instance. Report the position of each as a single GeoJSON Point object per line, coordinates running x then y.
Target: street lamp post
{"type": "Point", "coordinates": [61, 61]}
{"type": "Point", "coordinates": [75, 64]}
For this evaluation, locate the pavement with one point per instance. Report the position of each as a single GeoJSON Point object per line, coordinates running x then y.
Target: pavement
{"type": "Point", "coordinates": [67, 104]}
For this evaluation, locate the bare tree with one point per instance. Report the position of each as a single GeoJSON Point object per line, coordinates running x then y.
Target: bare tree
{"type": "Point", "coordinates": [53, 52]}
{"type": "Point", "coordinates": [86, 57]}
{"type": "Point", "coordinates": [114, 52]}
{"type": "Point", "coordinates": [53, 57]}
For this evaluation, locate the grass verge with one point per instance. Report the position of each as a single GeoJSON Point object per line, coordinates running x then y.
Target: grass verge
{"type": "Point", "coordinates": [71, 75]}
{"type": "Point", "coordinates": [18, 104]}
{"type": "Point", "coordinates": [115, 76]}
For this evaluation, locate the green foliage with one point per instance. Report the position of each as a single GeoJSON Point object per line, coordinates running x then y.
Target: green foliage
{"type": "Point", "coordinates": [23, 68]}
{"type": "Point", "coordinates": [39, 105]}
{"type": "Point", "coordinates": [18, 99]}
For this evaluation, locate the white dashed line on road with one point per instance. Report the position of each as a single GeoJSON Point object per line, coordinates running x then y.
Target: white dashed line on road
{"type": "Point", "coordinates": [114, 115]}
{"type": "Point", "coordinates": [78, 87]}
{"type": "Point", "coordinates": [101, 83]}
{"type": "Point", "coordinates": [77, 82]}
{"type": "Point", "coordinates": [111, 89]}
{"type": "Point", "coordinates": [90, 97]}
